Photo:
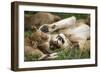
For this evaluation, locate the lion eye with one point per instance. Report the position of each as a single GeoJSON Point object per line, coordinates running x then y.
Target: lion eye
{"type": "Point", "coordinates": [60, 38]}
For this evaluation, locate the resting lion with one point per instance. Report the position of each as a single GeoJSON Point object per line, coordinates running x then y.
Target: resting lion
{"type": "Point", "coordinates": [69, 29]}
{"type": "Point", "coordinates": [38, 44]}
{"type": "Point", "coordinates": [39, 19]}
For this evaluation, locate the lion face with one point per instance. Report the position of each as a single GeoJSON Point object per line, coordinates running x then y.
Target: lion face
{"type": "Point", "coordinates": [59, 41]}
{"type": "Point", "coordinates": [39, 37]}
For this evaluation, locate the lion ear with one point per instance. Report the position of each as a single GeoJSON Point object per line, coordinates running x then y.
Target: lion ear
{"type": "Point", "coordinates": [34, 29]}
{"type": "Point", "coordinates": [56, 18]}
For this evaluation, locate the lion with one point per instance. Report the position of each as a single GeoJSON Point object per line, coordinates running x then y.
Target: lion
{"type": "Point", "coordinates": [77, 31]}
{"type": "Point", "coordinates": [38, 44]}
{"type": "Point", "coordinates": [39, 19]}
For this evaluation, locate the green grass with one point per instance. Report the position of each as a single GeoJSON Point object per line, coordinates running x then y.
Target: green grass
{"type": "Point", "coordinates": [63, 54]}
{"type": "Point", "coordinates": [30, 57]}
{"type": "Point", "coordinates": [27, 33]}
{"type": "Point", "coordinates": [74, 53]}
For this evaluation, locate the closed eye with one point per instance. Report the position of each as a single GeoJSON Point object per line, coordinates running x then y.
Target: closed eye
{"type": "Point", "coordinates": [60, 38]}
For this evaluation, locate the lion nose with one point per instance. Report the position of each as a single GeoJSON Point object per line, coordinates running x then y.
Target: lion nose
{"type": "Point", "coordinates": [44, 29]}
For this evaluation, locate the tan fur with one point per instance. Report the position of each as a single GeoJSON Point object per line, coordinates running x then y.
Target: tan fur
{"type": "Point", "coordinates": [39, 19]}
{"type": "Point", "coordinates": [37, 44]}
{"type": "Point", "coordinates": [31, 48]}
{"type": "Point", "coordinates": [84, 45]}
{"type": "Point", "coordinates": [27, 21]}
{"type": "Point", "coordinates": [64, 23]}
{"type": "Point", "coordinates": [78, 34]}
{"type": "Point", "coordinates": [27, 41]}
{"type": "Point", "coordinates": [33, 51]}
